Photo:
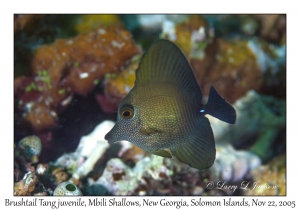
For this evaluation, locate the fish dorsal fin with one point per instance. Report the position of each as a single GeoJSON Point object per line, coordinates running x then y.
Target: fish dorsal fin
{"type": "Point", "coordinates": [165, 63]}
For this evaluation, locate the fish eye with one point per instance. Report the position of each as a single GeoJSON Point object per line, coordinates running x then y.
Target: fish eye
{"type": "Point", "coordinates": [126, 112]}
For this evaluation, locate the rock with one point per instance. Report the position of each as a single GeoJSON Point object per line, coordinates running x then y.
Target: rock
{"type": "Point", "coordinates": [90, 149]}
{"type": "Point", "coordinates": [27, 185]}
{"type": "Point", "coordinates": [119, 179]}
{"type": "Point", "coordinates": [31, 147]}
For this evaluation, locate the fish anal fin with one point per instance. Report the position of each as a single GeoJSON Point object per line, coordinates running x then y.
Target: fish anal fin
{"type": "Point", "coordinates": [162, 153]}
{"type": "Point", "coordinates": [198, 151]}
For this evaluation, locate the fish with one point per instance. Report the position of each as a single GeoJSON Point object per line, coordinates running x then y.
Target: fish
{"type": "Point", "coordinates": [163, 113]}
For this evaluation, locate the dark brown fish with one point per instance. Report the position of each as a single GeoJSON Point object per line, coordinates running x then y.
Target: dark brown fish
{"type": "Point", "coordinates": [163, 113]}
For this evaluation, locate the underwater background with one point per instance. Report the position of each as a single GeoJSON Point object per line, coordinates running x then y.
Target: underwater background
{"type": "Point", "coordinates": [72, 71]}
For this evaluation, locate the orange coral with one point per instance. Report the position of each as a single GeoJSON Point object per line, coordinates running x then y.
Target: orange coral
{"type": "Point", "coordinates": [184, 32]}
{"type": "Point", "coordinates": [71, 66]}
{"type": "Point", "coordinates": [231, 67]}
{"type": "Point", "coordinates": [271, 178]}
{"type": "Point", "coordinates": [84, 57]}
{"type": "Point", "coordinates": [117, 87]}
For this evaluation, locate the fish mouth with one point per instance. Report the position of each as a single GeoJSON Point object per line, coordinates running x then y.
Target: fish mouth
{"type": "Point", "coordinates": [109, 137]}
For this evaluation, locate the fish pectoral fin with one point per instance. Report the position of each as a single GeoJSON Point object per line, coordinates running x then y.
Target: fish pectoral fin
{"type": "Point", "coordinates": [199, 150]}
{"type": "Point", "coordinates": [149, 130]}
{"type": "Point", "coordinates": [162, 153]}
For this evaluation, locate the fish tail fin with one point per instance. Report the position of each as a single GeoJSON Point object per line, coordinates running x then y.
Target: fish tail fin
{"type": "Point", "coordinates": [219, 108]}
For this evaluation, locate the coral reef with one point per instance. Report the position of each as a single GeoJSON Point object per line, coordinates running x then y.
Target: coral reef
{"type": "Point", "coordinates": [67, 67]}
{"type": "Point", "coordinates": [23, 21]}
{"type": "Point", "coordinates": [58, 175]}
{"type": "Point", "coordinates": [72, 71]}
{"type": "Point", "coordinates": [273, 27]}
{"type": "Point", "coordinates": [120, 179]}
{"type": "Point", "coordinates": [90, 149]}
{"type": "Point", "coordinates": [270, 178]}
{"type": "Point", "coordinates": [232, 66]}
{"type": "Point", "coordinates": [260, 119]}
{"type": "Point", "coordinates": [67, 189]}
{"type": "Point", "coordinates": [85, 58]}
{"type": "Point", "coordinates": [154, 175]}
{"type": "Point", "coordinates": [191, 35]}
{"type": "Point", "coordinates": [233, 165]}
{"type": "Point", "coordinates": [27, 185]}
{"type": "Point", "coordinates": [87, 23]}
{"type": "Point", "coordinates": [117, 86]}
{"type": "Point", "coordinates": [68, 169]}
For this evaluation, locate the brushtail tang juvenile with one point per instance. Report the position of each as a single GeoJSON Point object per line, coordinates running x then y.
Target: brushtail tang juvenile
{"type": "Point", "coordinates": [163, 113]}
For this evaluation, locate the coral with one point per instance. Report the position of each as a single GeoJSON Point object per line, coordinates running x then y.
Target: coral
{"type": "Point", "coordinates": [70, 167]}
{"type": "Point", "coordinates": [119, 179]}
{"type": "Point", "coordinates": [273, 27]}
{"type": "Point", "coordinates": [233, 66]}
{"type": "Point", "coordinates": [70, 66]}
{"type": "Point", "coordinates": [85, 58]}
{"type": "Point", "coordinates": [41, 169]}
{"type": "Point", "coordinates": [31, 147]}
{"type": "Point", "coordinates": [130, 152]}
{"type": "Point", "coordinates": [148, 24]}
{"type": "Point", "coordinates": [67, 189]}
{"type": "Point", "coordinates": [90, 149]}
{"type": "Point", "coordinates": [87, 23]}
{"type": "Point", "coordinates": [22, 21]}
{"type": "Point", "coordinates": [117, 86]}
{"type": "Point", "coordinates": [270, 178]}
{"type": "Point", "coordinates": [243, 56]}
{"type": "Point", "coordinates": [59, 175]}
{"type": "Point", "coordinates": [259, 118]}
{"type": "Point", "coordinates": [154, 175]}
{"type": "Point", "coordinates": [189, 35]}
{"type": "Point", "coordinates": [27, 185]}
{"type": "Point", "coordinates": [233, 165]}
